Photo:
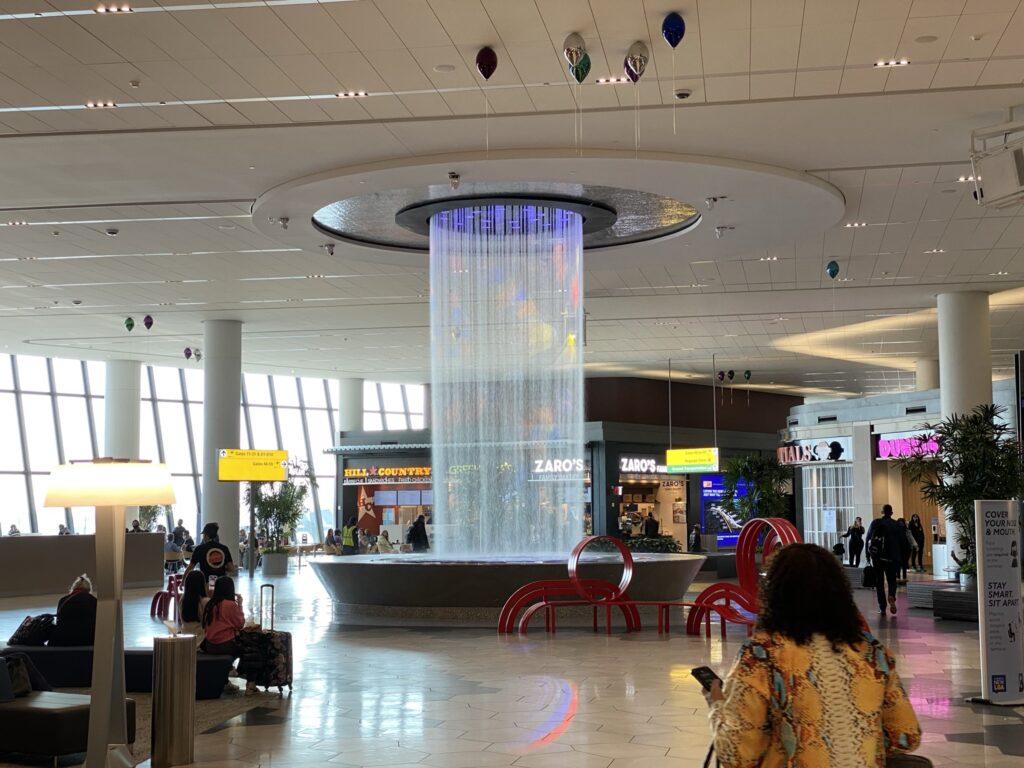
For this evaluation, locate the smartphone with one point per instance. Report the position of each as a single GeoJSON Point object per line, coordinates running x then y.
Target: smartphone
{"type": "Point", "coordinates": [705, 676]}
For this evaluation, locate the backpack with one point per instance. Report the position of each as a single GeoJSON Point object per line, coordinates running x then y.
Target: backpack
{"type": "Point", "coordinates": [877, 545]}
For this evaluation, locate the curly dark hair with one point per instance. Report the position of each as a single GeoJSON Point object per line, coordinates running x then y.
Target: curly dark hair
{"type": "Point", "coordinates": [806, 593]}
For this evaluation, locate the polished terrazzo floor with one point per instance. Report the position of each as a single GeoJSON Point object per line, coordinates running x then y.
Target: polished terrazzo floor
{"type": "Point", "coordinates": [465, 698]}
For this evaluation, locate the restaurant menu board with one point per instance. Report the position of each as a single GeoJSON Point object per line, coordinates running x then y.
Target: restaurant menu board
{"type": "Point", "coordinates": [997, 524]}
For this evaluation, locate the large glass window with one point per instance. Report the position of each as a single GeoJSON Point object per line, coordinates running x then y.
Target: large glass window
{"type": "Point", "coordinates": [164, 432]}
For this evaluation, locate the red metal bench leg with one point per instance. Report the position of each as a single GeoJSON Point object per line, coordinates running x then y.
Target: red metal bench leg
{"type": "Point", "coordinates": [668, 618]}
{"type": "Point", "coordinates": [595, 618]}
{"type": "Point", "coordinates": [608, 618]}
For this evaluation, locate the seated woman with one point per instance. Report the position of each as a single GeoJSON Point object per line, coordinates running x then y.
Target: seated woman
{"type": "Point", "coordinates": [331, 545]}
{"type": "Point", "coordinates": [76, 615]}
{"type": "Point", "coordinates": [223, 619]}
{"type": "Point", "coordinates": [811, 687]}
{"type": "Point", "coordinates": [383, 545]}
{"type": "Point", "coordinates": [193, 601]}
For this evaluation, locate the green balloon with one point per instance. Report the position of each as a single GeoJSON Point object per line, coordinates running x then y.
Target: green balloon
{"type": "Point", "coordinates": [746, 375]}
{"type": "Point", "coordinates": [129, 323]}
{"type": "Point", "coordinates": [580, 71]}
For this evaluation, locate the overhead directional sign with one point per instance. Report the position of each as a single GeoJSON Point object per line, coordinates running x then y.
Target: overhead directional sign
{"type": "Point", "coordinates": [680, 461]}
{"type": "Point", "coordinates": [236, 464]}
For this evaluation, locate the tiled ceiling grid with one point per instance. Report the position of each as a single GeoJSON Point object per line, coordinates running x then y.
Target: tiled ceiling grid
{"type": "Point", "coordinates": [734, 50]}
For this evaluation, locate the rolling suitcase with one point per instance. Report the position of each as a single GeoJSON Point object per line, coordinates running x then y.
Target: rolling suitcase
{"type": "Point", "coordinates": [868, 581]}
{"type": "Point", "coordinates": [266, 654]}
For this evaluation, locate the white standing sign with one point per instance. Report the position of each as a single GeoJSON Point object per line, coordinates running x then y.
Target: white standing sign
{"type": "Point", "coordinates": [997, 524]}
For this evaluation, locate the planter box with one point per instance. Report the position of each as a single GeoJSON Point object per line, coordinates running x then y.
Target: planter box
{"type": "Point", "coordinates": [275, 564]}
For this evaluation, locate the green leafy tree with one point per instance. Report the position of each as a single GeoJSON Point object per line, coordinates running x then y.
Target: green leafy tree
{"type": "Point", "coordinates": [766, 481]}
{"type": "Point", "coordinates": [280, 506]}
{"type": "Point", "coordinates": [152, 515]}
{"type": "Point", "coordinates": [978, 458]}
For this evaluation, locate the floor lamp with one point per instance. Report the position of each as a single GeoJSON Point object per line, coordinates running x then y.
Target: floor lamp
{"type": "Point", "coordinates": [110, 485]}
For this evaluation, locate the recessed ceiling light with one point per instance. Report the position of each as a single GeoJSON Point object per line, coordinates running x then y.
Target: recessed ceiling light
{"type": "Point", "coordinates": [17, 223]}
{"type": "Point", "coordinates": [893, 63]}
{"type": "Point", "coordinates": [612, 80]}
{"type": "Point", "coordinates": [114, 8]}
{"type": "Point", "coordinates": [1000, 273]}
{"type": "Point", "coordinates": [698, 285]}
{"type": "Point", "coordinates": [936, 250]}
{"type": "Point", "coordinates": [769, 258]}
{"type": "Point", "coordinates": [227, 227]}
{"type": "Point", "coordinates": [845, 280]}
{"type": "Point", "coordinates": [252, 167]}
{"type": "Point", "coordinates": [352, 94]}
{"type": "Point", "coordinates": [968, 179]}
{"type": "Point", "coordinates": [134, 83]}
{"type": "Point", "coordinates": [976, 38]}
{"type": "Point", "coordinates": [100, 105]}
{"type": "Point", "coordinates": [855, 224]}
{"type": "Point", "coordinates": [926, 39]}
{"type": "Point", "coordinates": [444, 68]}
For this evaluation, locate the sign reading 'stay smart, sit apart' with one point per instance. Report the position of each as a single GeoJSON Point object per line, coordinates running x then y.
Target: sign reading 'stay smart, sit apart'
{"type": "Point", "coordinates": [997, 524]}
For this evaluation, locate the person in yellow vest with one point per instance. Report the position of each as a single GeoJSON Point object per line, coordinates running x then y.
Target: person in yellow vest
{"type": "Point", "coordinates": [349, 538]}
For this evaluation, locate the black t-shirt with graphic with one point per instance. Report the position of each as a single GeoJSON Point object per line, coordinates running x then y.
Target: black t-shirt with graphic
{"type": "Point", "coordinates": [212, 558]}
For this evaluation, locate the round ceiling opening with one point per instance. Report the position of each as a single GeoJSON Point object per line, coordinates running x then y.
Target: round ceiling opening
{"type": "Point", "coordinates": [400, 219]}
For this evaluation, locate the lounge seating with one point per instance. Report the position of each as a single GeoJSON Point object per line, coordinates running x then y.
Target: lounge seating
{"type": "Point", "coordinates": [71, 667]}
{"type": "Point", "coordinates": [50, 723]}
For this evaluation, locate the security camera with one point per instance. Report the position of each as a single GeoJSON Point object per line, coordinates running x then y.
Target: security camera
{"type": "Point", "coordinates": [682, 94]}
{"type": "Point", "coordinates": [283, 222]}
{"type": "Point", "coordinates": [329, 247]}
{"type": "Point", "coordinates": [76, 302]}
{"type": "Point", "coordinates": [453, 180]}
{"type": "Point", "coordinates": [112, 232]}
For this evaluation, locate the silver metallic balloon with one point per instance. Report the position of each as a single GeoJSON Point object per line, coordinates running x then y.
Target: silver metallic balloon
{"type": "Point", "coordinates": [637, 58]}
{"type": "Point", "coordinates": [573, 48]}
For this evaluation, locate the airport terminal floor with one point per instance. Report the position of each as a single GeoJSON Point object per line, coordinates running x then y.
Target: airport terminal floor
{"type": "Point", "coordinates": [466, 698]}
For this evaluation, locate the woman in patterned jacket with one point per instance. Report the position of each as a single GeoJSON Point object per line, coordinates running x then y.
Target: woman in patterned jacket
{"type": "Point", "coordinates": [811, 688]}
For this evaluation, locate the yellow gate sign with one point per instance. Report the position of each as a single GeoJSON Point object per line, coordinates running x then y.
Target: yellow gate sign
{"type": "Point", "coordinates": [681, 461]}
{"type": "Point", "coordinates": [236, 464]}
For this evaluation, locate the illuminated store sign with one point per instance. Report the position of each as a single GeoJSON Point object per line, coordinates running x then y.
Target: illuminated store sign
{"type": "Point", "coordinates": [685, 460]}
{"type": "Point", "coordinates": [554, 470]}
{"type": "Point", "coordinates": [372, 475]}
{"type": "Point", "coordinates": [822, 450]}
{"type": "Point", "coordinates": [641, 465]}
{"type": "Point", "coordinates": [896, 445]}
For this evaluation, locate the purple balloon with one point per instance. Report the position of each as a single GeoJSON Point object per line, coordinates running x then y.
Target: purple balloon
{"type": "Point", "coordinates": [633, 76]}
{"type": "Point", "coordinates": [188, 353]}
{"type": "Point", "coordinates": [148, 321]}
{"type": "Point", "coordinates": [486, 62]}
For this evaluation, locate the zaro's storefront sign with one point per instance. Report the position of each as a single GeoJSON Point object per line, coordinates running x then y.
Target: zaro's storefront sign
{"type": "Point", "coordinates": [896, 445]}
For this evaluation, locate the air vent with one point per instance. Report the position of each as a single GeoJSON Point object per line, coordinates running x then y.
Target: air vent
{"type": "Point", "coordinates": [793, 423]}
{"type": "Point", "coordinates": [827, 419]}
{"type": "Point", "coordinates": [916, 409]}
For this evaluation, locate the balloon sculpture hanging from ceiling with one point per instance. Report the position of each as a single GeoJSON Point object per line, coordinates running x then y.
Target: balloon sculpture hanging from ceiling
{"type": "Point", "coordinates": [129, 323]}
{"type": "Point", "coordinates": [636, 60]}
{"type": "Point", "coordinates": [188, 353]}
{"type": "Point", "coordinates": [580, 70]}
{"type": "Point", "coordinates": [573, 49]}
{"type": "Point", "coordinates": [673, 28]}
{"type": "Point", "coordinates": [486, 62]}
{"type": "Point", "coordinates": [832, 269]}
{"type": "Point", "coordinates": [148, 321]}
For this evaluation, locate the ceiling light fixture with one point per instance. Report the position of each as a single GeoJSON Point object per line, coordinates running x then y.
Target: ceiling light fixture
{"type": "Point", "coordinates": [122, 8]}
{"type": "Point", "coordinates": [936, 250]}
{"type": "Point", "coordinates": [893, 63]}
{"type": "Point", "coordinates": [698, 285]}
{"type": "Point", "coordinates": [968, 179]}
{"type": "Point", "coordinates": [1000, 273]}
{"type": "Point", "coordinates": [769, 258]}
{"type": "Point", "coordinates": [612, 80]}
{"type": "Point", "coordinates": [100, 105]}
{"type": "Point", "coordinates": [926, 39]}
{"type": "Point", "coordinates": [352, 94]}
{"type": "Point", "coordinates": [855, 224]}
{"type": "Point", "coordinates": [845, 280]}
{"type": "Point", "coordinates": [17, 223]}
{"type": "Point", "coordinates": [444, 68]}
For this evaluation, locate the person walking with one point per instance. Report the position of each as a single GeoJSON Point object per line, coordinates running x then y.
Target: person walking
{"type": "Point", "coordinates": [855, 533]}
{"type": "Point", "coordinates": [917, 531]}
{"type": "Point", "coordinates": [694, 542]}
{"type": "Point", "coordinates": [811, 688]}
{"type": "Point", "coordinates": [885, 553]}
{"type": "Point", "coordinates": [418, 535]}
{"type": "Point", "coordinates": [651, 526]}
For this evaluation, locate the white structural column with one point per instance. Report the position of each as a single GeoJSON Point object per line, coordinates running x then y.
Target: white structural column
{"type": "Point", "coordinates": [222, 397]}
{"type": "Point", "coordinates": [121, 410]}
{"type": "Point", "coordinates": [965, 351]}
{"type": "Point", "coordinates": [926, 371]}
{"type": "Point", "coordinates": [350, 405]}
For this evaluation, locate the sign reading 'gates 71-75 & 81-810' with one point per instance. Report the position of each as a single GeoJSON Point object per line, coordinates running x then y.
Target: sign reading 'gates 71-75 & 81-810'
{"type": "Point", "coordinates": [241, 465]}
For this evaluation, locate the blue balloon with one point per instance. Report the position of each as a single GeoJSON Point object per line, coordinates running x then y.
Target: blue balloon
{"type": "Point", "coordinates": [832, 269]}
{"type": "Point", "coordinates": [673, 28]}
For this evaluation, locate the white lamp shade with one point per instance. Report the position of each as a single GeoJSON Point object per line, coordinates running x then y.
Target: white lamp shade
{"type": "Point", "coordinates": [109, 484]}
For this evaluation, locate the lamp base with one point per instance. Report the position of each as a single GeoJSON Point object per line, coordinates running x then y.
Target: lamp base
{"type": "Point", "coordinates": [118, 756]}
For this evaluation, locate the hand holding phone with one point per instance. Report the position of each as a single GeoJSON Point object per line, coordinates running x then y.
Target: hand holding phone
{"type": "Point", "coordinates": [705, 676]}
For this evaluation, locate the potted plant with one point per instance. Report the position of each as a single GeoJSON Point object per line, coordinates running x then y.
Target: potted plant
{"type": "Point", "coordinates": [279, 508]}
{"type": "Point", "coordinates": [978, 458]}
{"type": "Point", "coordinates": [153, 514]}
{"type": "Point", "coordinates": [765, 481]}
{"type": "Point", "coordinates": [969, 575]}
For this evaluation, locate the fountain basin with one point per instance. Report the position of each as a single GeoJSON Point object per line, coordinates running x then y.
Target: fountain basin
{"type": "Point", "coordinates": [376, 588]}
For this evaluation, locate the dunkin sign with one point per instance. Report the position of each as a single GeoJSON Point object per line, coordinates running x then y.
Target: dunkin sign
{"type": "Point", "coordinates": [897, 445]}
